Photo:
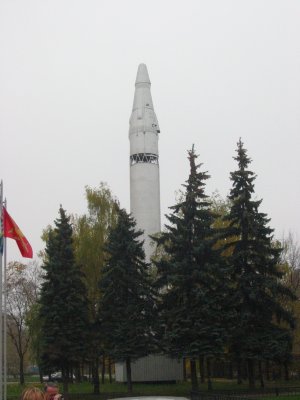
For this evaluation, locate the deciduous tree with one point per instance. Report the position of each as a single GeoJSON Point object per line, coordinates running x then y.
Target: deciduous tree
{"type": "Point", "coordinates": [21, 295]}
{"type": "Point", "coordinates": [90, 234]}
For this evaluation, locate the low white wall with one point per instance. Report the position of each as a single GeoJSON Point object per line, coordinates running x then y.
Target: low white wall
{"type": "Point", "coordinates": [154, 368]}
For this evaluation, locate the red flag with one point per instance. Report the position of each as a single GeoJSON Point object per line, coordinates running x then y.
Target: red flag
{"type": "Point", "coordinates": [11, 230]}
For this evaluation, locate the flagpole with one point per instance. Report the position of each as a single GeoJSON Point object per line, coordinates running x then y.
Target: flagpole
{"type": "Point", "coordinates": [1, 293]}
{"type": "Point", "coordinates": [5, 316]}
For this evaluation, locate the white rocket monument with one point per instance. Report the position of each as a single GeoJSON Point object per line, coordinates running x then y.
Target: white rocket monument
{"type": "Point", "coordinates": [144, 166]}
{"type": "Point", "coordinates": [145, 208]}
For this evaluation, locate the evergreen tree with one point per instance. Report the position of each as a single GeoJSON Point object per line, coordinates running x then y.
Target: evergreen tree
{"type": "Point", "coordinates": [62, 303]}
{"type": "Point", "coordinates": [191, 278]}
{"type": "Point", "coordinates": [256, 276]}
{"type": "Point", "coordinates": [126, 304]}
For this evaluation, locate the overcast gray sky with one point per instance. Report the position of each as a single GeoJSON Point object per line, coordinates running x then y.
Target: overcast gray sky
{"type": "Point", "coordinates": [220, 70]}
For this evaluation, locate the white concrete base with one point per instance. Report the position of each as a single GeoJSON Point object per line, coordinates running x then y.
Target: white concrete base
{"type": "Point", "coordinates": [153, 368]}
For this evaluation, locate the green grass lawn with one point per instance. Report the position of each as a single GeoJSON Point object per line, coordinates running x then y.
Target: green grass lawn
{"type": "Point", "coordinates": [291, 397]}
{"type": "Point", "coordinates": [114, 389]}
{"type": "Point", "coordinates": [179, 389]}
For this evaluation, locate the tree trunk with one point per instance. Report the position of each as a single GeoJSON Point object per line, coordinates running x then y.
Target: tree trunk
{"type": "Point", "coordinates": [286, 371]}
{"type": "Point", "coordinates": [251, 377]}
{"type": "Point", "coordinates": [194, 379]}
{"type": "Point", "coordinates": [208, 369]}
{"type": "Point", "coordinates": [109, 370]}
{"type": "Point", "coordinates": [95, 372]}
{"type": "Point", "coordinates": [280, 372]}
{"type": "Point", "coordinates": [184, 369]}
{"type": "Point", "coordinates": [76, 376]}
{"type": "Point", "coordinates": [230, 370]}
{"type": "Point", "coordinates": [244, 370]}
{"type": "Point", "coordinates": [268, 370]}
{"type": "Point", "coordinates": [103, 369]}
{"type": "Point", "coordinates": [21, 369]}
{"type": "Point", "coordinates": [128, 371]}
{"type": "Point", "coordinates": [71, 375]}
{"type": "Point", "coordinates": [82, 370]}
{"type": "Point", "coordinates": [239, 372]}
{"type": "Point", "coordinates": [65, 378]}
{"type": "Point", "coordinates": [90, 371]}
{"type": "Point", "coordinates": [40, 374]}
{"type": "Point", "coordinates": [202, 370]}
{"type": "Point", "coordinates": [261, 375]}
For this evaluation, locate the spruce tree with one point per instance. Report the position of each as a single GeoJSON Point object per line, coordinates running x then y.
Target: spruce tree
{"type": "Point", "coordinates": [63, 303]}
{"type": "Point", "coordinates": [191, 278]}
{"type": "Point", "coordinates": [256, 276]}
{"type": "Point", "coordinates": [126, 304]}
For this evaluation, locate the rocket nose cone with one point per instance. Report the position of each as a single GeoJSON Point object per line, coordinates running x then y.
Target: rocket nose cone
{"type": "Point", "coordinates": [142, 74]}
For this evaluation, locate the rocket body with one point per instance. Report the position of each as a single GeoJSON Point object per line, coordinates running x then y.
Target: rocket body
{"type": "Point", "coordinates": [145, 208]}
{"type": "Point", "coordinates": [144, 166]}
